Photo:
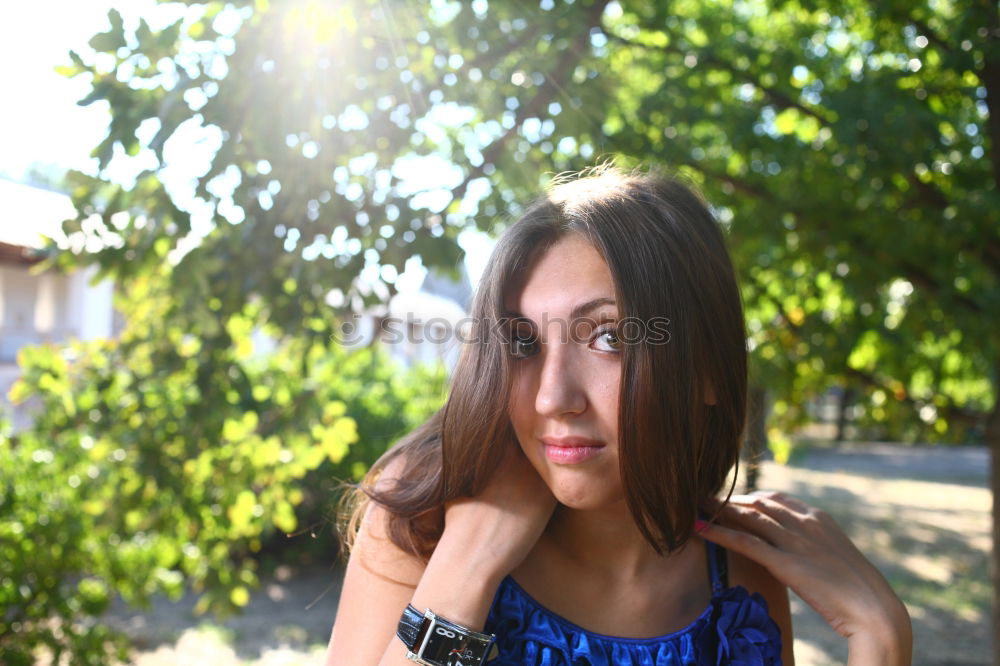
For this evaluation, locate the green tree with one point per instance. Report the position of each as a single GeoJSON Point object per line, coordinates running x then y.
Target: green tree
{"type": "Point", "coordinates": [143, 473]}
{"type": "Point", "coordinates": [852, 149]}
{"type": "Point", "coordinates": [844, 144]}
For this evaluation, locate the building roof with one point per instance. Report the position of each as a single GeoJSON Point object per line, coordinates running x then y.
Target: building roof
{"type": "Point", "coordinates": [28, 214]}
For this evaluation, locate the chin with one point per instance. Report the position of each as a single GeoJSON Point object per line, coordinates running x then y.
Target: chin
{"type": "Point", "coordinates": [587, 498]}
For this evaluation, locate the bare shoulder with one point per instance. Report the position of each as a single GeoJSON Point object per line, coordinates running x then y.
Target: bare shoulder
{"type": "Point", "coordinates": [378, 583]}
{"type": "Point", "coordinates": [744, 571]}
{"type": "Point", "coordinates": [755, 578]}
{"type": "Point", "coordinates": [373, 550]}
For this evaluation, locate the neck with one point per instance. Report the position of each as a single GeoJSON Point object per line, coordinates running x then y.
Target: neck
{"type": "Point", "coordinates": [607, 542]}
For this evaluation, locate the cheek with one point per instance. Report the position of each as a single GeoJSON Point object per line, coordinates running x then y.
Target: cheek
{"type": "Point", "coordinates": [606, 388]}
{"type": "Point", "coordinates": [526, 425]}
{"type": "Point", "coordinates": [520, 405]}
{"type": "Point", "coordinates": [523, 430]}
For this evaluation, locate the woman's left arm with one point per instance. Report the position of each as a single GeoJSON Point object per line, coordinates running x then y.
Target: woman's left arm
{"type": "Point", "coordinates": [803, 548]}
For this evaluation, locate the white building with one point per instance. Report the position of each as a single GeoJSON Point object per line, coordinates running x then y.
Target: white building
{"type": "Point", "coordinates": [35, 307]}
{"type": "Point", "coordinates": [425, 325]}
{"type": "Point", "coordinates": [48, 307]}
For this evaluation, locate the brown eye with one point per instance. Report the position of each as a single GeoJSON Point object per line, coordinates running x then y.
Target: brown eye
{"type": "Point", "coordinates": [522, 347]}
{"type": "Point", "coordinates": [522, 340]}
{"type": "Point", "coordinates": [606, 339]}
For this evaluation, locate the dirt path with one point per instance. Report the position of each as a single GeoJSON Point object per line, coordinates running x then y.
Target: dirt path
{"type": "Point", "coordinates": [922, 515]}
{"type": "Point", "coordinates": [287, 623]}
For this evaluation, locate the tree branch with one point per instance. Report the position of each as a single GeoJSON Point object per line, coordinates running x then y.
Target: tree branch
{"type": "Point", "coordinates": [498, 53]}
{"type": "Point", "coordinates": [931, 35]}
{"type": "Point", "coordinates": [915, 273]}
{"type": "Point", "coordinates": [952, 412]}
{"type": "Point", "coordinates": [569, 58]}
{"type": "Point", "coordinates": [989, 74]}
{"type": "Point", "coordinates": [777, 97]}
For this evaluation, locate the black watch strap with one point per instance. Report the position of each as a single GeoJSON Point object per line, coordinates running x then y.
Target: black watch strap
{"type": "Point", "coordinates": [431, 639]}
{"type": "Point", "coordinates": [409, 627]}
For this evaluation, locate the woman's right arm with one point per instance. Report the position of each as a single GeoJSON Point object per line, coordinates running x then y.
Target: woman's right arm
{"type": "Point", "coordinates": [806, 550]}
{"type": "Point", "coordinates": [484, 539]}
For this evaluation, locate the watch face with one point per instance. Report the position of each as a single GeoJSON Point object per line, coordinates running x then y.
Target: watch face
{"type": "Point", "coordinates": [451, 648]}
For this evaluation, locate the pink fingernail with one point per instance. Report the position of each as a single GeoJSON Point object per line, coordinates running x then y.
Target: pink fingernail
{"type": "Point", "coordinates": [700, 526]}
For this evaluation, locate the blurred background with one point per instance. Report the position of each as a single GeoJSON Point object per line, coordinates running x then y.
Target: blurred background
{"type": "Point", "coordinates": [238, 240]}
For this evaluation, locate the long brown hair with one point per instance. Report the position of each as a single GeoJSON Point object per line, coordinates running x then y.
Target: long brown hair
{"type": "Point", "coordinates": [668, 260]}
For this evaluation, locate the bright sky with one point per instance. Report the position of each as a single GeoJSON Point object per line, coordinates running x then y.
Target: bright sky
{"type": "Point", "coordinates": [40, 122]}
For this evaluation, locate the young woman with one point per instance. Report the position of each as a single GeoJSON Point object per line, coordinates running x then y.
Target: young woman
{"type": "Point", "coordinates": [561, 507]}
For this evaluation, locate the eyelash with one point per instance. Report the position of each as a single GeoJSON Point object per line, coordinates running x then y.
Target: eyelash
{"type": "Point", "coordinates": [608, 330]}
{"type": "Point", "coordinates": [601, 331]}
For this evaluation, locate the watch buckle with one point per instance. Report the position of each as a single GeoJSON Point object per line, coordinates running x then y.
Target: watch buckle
{"type": "Point", "coordinates": [430, 621]}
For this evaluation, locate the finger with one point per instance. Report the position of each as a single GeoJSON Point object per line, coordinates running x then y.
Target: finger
{"type": "Point", "coordinates": [773, 505]}
{"type": "Point", "coordinates": [750, 518]}
{"type": "Point", "coordinates": [792, 503]}
{"type": "Point", "coordinates": [796, 517]}
{"type": "Point", "coordinates": [796, 534]}
{"type": "Point", "coordinates": [744, 543]}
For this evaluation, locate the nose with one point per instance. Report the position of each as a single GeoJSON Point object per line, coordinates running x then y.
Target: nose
{"type": "Point", "coordinates": [560, 390]}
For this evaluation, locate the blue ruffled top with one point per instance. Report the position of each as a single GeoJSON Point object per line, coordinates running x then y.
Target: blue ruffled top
{"type": "Point", "coordinates": [735, 629]}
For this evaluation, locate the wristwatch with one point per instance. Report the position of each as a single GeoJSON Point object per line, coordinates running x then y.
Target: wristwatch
{"type": "Point", "coordinates": [434, 641]}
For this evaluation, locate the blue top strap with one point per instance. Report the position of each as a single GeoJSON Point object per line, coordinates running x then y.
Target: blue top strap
{"type": "Point", "coordinates": [718, 567]}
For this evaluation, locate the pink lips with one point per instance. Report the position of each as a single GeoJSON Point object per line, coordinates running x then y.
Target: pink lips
{"type": "Point", "coordinates": [571, 450]}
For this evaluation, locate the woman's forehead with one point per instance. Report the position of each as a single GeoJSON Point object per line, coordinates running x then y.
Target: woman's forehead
{"type": "Point", "coordinates": [569, 277]}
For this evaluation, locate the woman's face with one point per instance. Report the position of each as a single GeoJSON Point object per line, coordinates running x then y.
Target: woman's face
{"type": "Point", "coordinates": [567, 369]}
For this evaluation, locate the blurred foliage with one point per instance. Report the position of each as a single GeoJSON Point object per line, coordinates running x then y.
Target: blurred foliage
{"type": "Point", "coordinates": [845, 144]}
{"type": "Point", "coordinates": [52, 563]}
{"type": "Point", "coordinates": [156, 462]}
{"type": "Point", "coordinates": [849, 147]}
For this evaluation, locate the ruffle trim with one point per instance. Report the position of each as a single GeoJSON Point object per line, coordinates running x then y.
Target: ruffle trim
{"type": "Point", "coordinates": [735, 629]}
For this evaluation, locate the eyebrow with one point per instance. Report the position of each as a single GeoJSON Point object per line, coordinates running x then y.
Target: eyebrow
{"type": "Point", "coordinates": [578, 310]}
